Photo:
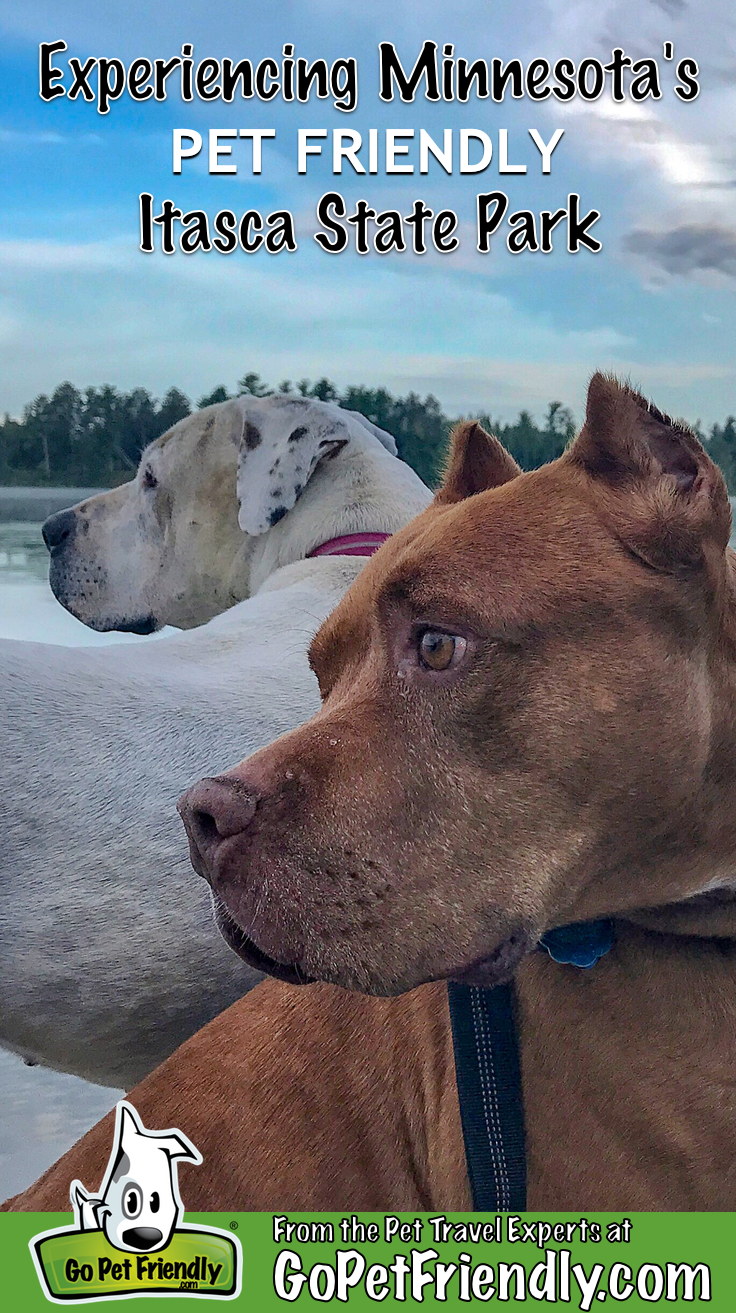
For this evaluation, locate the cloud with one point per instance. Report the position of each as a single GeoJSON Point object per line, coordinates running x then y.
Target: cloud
{"type": "Point", "coordinates": [117, 316]}
{"type": "Point", "coordinates": [637, 134]}
{"type": "Point", "coordinates": [197, 321]}
{"type": "Point", "coordinates": [686, 249]}
{"type": "Point", "coordinates": [679, 151]}
{"type": "Point", "coordinates": [16, 137]}
{"type": "Point", "coordinates": [48, 256]}
{"type": "Point", "coordinates": [9, 323]}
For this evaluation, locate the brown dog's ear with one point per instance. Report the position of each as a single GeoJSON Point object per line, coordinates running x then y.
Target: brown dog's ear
{"type": "Point", "coordinates": [476, 462]}
{"type": "Point", "coordinates": [624, 436]}
{"type": "Point", "coordinates": [662, 488]}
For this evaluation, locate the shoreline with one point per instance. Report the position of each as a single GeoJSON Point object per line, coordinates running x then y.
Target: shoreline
{"type": "Point", "coordinates": [34, 503]}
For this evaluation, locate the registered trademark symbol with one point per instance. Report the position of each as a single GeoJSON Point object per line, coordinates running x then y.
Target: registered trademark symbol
{"type": "Point", "coordinates": [233, 1226]}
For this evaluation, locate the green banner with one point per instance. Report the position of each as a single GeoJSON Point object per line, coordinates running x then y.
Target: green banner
{"type": "Point", "coordinates": [363, 1260]}
{"type": "Point", "coordinates": [83, 1265]}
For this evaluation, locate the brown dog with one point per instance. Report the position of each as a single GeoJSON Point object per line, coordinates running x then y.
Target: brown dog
{"type": "Point", "coordinates": [529, 719]}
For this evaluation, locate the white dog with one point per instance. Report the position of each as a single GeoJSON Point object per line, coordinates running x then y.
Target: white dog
{"type": "Point", "coordinates": [109, 956]}
{"type": "Point", "coordinates": [138, 1205]}
{"type": "Point", "coordinates": [167, 548]}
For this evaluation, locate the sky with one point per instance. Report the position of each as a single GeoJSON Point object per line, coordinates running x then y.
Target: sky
{"type": "Point", "coordinates": [493, 333]}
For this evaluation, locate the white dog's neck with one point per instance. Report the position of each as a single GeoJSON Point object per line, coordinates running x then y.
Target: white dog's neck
{"type": "Point", "coordinates": [363, 489]}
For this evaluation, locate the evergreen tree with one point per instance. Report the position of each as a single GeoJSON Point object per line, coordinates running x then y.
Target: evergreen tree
{"type": "Point", "coordinates": [174, 406]}
{"type": "Point", "coordinates": [722, 447]}
{"type": "Point", "coordinates": [253, 385]}
{"type": "Point", "coordinates": [220, 393]}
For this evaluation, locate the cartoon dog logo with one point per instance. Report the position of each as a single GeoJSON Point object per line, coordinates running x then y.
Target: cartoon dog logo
{"type": "Point", "coordinates": [138, 1205]}
{"type": "Point", "coordinates": [138, 1210]}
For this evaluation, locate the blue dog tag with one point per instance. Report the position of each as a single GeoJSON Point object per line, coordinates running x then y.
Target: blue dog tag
{"type": "Point", "coordinates": [579, 945]}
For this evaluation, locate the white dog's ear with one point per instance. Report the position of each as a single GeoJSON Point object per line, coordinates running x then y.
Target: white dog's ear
{"type": "Point", "coordinates": [87, 1207]}
{"type": "Point", "coordinates": [281, 447]}
{"type": "Point", "coordinates": [384, 438]}
{"type": "Point", "coordinates": [129, 1125]}
{"type": "Point", "coordinates": [178, 1146]}
{"type": "Point", "coordinates": [174, 1143]}
{"type": "Point", "coordinates": [80, 1201]}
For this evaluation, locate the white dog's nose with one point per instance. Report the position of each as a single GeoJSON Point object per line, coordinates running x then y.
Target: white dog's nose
{"type": "Point", "coordinates": [58, 529]}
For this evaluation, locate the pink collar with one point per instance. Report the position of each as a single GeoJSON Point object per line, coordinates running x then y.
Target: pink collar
{"type": "Point", "coordinates": [351, 544]}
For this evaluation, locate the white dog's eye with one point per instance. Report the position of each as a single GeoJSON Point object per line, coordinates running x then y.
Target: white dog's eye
{"type": "Point", "coordinates": [132, 1200]}
{"type": "Point", "coordinates": [149, 478]}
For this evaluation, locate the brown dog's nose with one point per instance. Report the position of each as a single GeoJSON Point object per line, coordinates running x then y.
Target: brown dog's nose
{"type": "Point", "coordinates": [214, 810]}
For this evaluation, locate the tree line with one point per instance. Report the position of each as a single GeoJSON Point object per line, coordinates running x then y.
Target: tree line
{"type": "Point", "coordinates": [94, 436]}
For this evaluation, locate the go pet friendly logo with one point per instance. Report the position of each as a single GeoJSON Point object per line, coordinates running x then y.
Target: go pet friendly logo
{"type": "Point", "coordinates": [130, 1239]}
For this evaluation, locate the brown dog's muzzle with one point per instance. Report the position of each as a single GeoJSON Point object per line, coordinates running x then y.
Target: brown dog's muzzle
{"type": "Point", "coordinates": [217, 815]}
{"type": "Point", "coordinates": [212, 811]}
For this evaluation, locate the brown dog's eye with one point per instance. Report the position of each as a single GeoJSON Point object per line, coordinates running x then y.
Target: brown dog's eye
{"type": "Point", "coordinates": [437, 651]}
{"type": "Point", "coordinates": [149, 478]}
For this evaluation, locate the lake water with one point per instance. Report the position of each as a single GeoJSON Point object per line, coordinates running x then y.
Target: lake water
{"type": "Point", "coordinates": [43, 1112]}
